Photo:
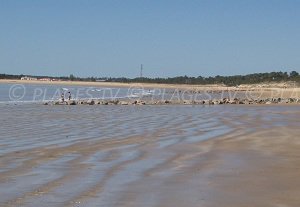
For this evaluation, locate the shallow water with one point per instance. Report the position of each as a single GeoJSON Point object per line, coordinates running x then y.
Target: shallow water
{"type": "Point", "coordinates": [90, 155]}
{"type": "Point", "coordinates": [29, 93]}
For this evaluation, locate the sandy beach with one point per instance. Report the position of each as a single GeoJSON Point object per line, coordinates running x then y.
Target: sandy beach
{"type": "Point", "coordinates": [227, 156]}
{"type": "Point", "coordinates": [163, 155]}
{"type": "Point", "coordinates": [149, 103]}
{"type": "Point", "coordinates": [112, 84]}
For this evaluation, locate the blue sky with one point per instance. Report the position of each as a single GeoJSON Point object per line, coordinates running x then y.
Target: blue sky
{"type": "Point", "coordinates": [170, 38]}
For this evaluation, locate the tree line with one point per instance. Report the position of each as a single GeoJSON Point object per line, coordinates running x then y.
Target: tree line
{"type": "Point", "coordinates": [226, 80]}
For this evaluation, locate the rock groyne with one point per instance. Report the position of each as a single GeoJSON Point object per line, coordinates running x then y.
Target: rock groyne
{"type": "Point", "coordinates": [178, 102]}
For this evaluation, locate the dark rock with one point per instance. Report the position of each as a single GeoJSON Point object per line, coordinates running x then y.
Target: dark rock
{"type": "Point", "coordinates": [71, 103]}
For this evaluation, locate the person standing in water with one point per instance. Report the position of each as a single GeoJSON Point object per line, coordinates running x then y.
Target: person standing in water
{"type": "Point", "coordinates": [69, 96]}
{"type": "Point", "coordinates": [62, 97]}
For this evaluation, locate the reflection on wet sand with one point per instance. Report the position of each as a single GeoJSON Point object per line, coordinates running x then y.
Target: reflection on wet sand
{"type": "Point", "coordinates": [149, 156]}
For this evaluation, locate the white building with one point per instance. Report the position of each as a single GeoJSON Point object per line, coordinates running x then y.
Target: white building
{"type": "Point", "coordinates": [28, 78]}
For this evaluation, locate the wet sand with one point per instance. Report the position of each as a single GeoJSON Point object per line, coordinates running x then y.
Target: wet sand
{"type": "Point", "coordinates": [150, 156]}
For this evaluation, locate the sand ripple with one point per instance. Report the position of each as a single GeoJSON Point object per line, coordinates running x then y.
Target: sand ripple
{"type": "Point", "coordinates": [132, 156]}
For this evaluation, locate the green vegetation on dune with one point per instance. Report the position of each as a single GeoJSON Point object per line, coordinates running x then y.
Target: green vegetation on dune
{"type": "Point", "coordinates": [226, 80]}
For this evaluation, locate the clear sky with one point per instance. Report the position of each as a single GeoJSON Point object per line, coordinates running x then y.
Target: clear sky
{"type": "Point", "coordinates": [169, 37]}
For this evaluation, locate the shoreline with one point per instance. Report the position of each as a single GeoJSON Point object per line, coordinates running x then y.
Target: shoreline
{"type": "Point", "coordinates": [253, 93]}
{"type": "Point", "coordinates": [112, 84]}
{"type": "Point", "coordinates": [212, 87]}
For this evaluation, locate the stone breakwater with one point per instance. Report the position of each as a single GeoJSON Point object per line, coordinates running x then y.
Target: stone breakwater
{"type": "Point", "coordinates": [178, 102]}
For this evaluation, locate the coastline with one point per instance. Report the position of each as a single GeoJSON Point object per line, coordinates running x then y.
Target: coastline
{"type": "Point", "coordinates": [256, 93]}
{"type": "Point", "coordinates": [212, 87]}
{"type": "Point", "coordinates": [116, 84]}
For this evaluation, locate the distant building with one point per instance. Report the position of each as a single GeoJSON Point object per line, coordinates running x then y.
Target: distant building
{"type": "Point", "coordinates": [28, 78]}
{"type": "Point", "coordinates": [45, 79]}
